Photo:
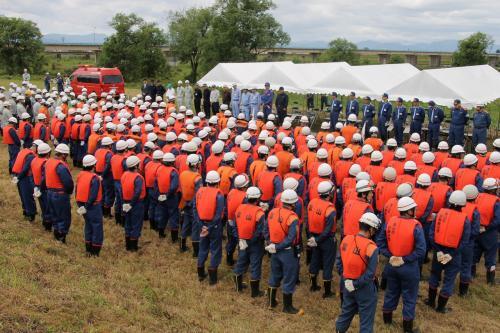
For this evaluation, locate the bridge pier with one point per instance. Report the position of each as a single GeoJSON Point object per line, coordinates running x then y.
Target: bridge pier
{"type": "Point", "coordinates": [411, 59]}
{"type": "Point", "coordinates": [383, 58]}
{"type": "Point", "coordinates": [435, 60]}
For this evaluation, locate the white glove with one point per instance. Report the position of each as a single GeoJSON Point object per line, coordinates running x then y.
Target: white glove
{"type": "Point", "coordinates": [126, 207]}
{"type": "Point", "coordinates": [264, 206]}
{"type": "Point", "coordinates": [14, 180]}
{"type": "Point", "coordinates": [396, 261]}
{"type": "Point", "coordinates": [22, 142]}
{"type": "Point", "coordinates": [204, 231]}
{"type": "Point", "coordinates": [37, 193]}
{"type": "Point", "coordinates": [82, 143]}
{"type": "Point", "coordinates": [231, 223]}
{"type": "Point", "coordinates": [81, 210]}
{"type": "Point", "coordinates": [446, 259]}
{"type": "Point", "coordinates": [56, 142]}
{"type": "Point", "coordinates": [311, 242]}
{"type": "Point", "coordinates": [482, 229]}
{"type": "Point", "coordinates": [52, 137]}
{"type": "Point", "coordinates": [162, 197]}
{"type": "Point", "coordinates": [349, 285]}
{"type": "Point", "coordinates": [242, 244]}
{"type": "Point", "coordinates": [271, 248]}
{"type": "Point", "coordinates": [433, 216]}
{"type": "Point", "coordinates": [439, 256]}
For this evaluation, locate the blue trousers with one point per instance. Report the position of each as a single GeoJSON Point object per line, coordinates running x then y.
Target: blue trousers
{"type": "Point", "coordinates": [456, 135]}
{"type": "Point", "coordinates": [59, 210]}
{"type": "Point", "coordinates": [451, 270]}
{"type": "Point", "coordinates": [211, 243]}
{"type": "Point", "coordinates": [118, 197]}
{"type": "Point", "coordinates": [134, 220]}
{"type": "Point", "coordinates": [235, 106]}
{"type": "Point", "coordinates": [25, 187]}
{"type": "Point", "coordinates": [82, 151]}
{"type": "Point", "coordinates": [402, 281]}
{"type": "Point", "coordinates": [479, 136]}
{"type": "Point", "coordinates": [167, 212]}
{"type": "Point", "coordinates": [13, 151]}
{"type": "Point", "coordinates": [367, 123]}
{"type": "Point", "coordinates": [93, 229]}
{"type": "Point", "coordinates": [323, 257]}
{"type": "Point", "coordinates": [486, 243]}
{"type": "Point", "coordinates": [43, 202]}
{"type": "Point", "coordinates": [284, 268]}
{"type": "Point", "coordinates": [398, 132]}
{"type": "Point", "coordinates": [250, 257]}
{"type": "Point", "coordinates": [334, 118]}
{"type": "Point", "coordinates": [188, 224]}
{"type": "Point", "coordinates": [267, 109]}
{"type": "Point", "coordinates": [246, 111]}
{"type": "Point", "coordinates": [362, 301]}
{"type": "Point", "coordinates": [254, 109]}
{"type": "Point", "coordinates": [152, 202]}
{"type": "Point", "coordinates": [466, 264]}
{"type": "Point", "coordinates": [232, 241]}
{"type": "Point", "coordinates": [108, 191]}
{"type": "Point", "coordinates": [416, 127]}
{"type": "Point", "coordinates": [382, 128]}
{"type": "Point", "coordinates": [433, 137]}
{"type": "Point", "coordinates": [28, 143]}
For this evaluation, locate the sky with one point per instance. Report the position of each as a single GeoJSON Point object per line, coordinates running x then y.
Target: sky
{"type": "Point", "coordinates": [404, 21]}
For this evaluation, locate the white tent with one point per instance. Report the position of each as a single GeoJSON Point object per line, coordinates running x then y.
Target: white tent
{"type": "Point", "coordinates": [342, 81]}
{"type": "Point", "coordinates": [472, 84]}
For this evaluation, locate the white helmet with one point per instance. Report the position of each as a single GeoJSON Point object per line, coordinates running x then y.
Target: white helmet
{"type": "Point", "coordinates": [490, 184]}
{"type": "Point", "coordinates": [470, 159]}
{"type": "Point", "coordinates": [376, 156]}
{"type": "Point", "coordinates": [325, 125]}
{"type": "Point", "coordinates": [263, 150]}
{"type": "Point", "coordinates": [424, 180]}
{"type": "Point", "coordinates": [272, 161]}
{"type": "Point", "coordinates": [168, 157]}
{"type": "Point", "coordinates": [157, 155]}
{"type": "Point", "coordinates": [311, 144]}
{"type": "Point", "coordinates": [132, 161]}
{"type": "Point", "coordinates": [404, 190]}
{"type": "Point", "coordinates": [340, 140]}
{"type": "Point", "coordinates": [217, 147]}
{"type": "Point", "coordinates": [366, 149]}
{"type": "Point", "coordinates": [495, 157]}
{"type": "Point", "coordinates": [363, 176]}
{"type": "Point", "coordinates": [89, 160]}
{"type": "Point", "coordinates": [347, 153]}
{"type": "Point", "coordinates": [406, 203]}
{"type": "Point", "coordinates": [193, 160]}
{"type": "Point", "coordinates": [290, 184]}
{"type": "Point", "coordinates": [171, 136]}
{"type": "Point", "coordinates": [324, 170]}
{"type": "Point", "coordinates": [229, 156]}
{"type": "Point", "coordinates": [415, 137]}
{"type": "Point", "coordinates": [305, 131]}
{"type": "Point", "coordinates": [457, 149]}
{"type": "Point", "coordinates": [289, 197]}
{"type": "Point", "coordinates": [354, 170]}
{"type": "Point", "coordinates": [400, 153]}
{"type": "Point", "coordinates": [43, 149]}
{"type": "Point", "coordinates": [481, 148]}
{"type": "Point", "coordinates": [458, 198]}
{"type": "Point", "coordinates": [371, 220]}
{"type": "Point", "coordinates": [352, 118]}
{"type": "Point", "coordinates": [356, 137]}
{"type": "Point", "coordinates": [286, 125]}
{"type": "Point", "coordinates": [131, 143]}
{"type": "Point", "coordinates": [62, 149]}
{"type": "Point", "coordinates": [152, 137]}
{"type": "Point", "coordinates": [445, 172]}
{"type": "Point", "coordinates": [428, 157]}
{"type": "Point", "coordinates": [223, 136]}
{"type": "Point", "coordinates": [471, 191]}
{"type": "Point", "coordinates": [287, 141]}
{"type": "Point", "coordinates": [325, 187]}
{"type": "Point", "coordinates": [295, 163]}
{"type": "Point", "coordinates": [304, 120]}
{"type": "Point", "coordinates": [443, 145]}
{"type": "Point", "coordinates": [364, 186]}
{"type": "Point", "coordinates": [245, 145]}
{"type": "Point", "coordinates": [41, 116]}
{"type": "Point", "coordinates": [410, 166]}
{"type": "Point", "coordinates": [424, 146]}
{"type": "Point", "coordinates": [149, 145]}
{"type": "Point", "coordinates": [241, 180]}
{"type": "Point", "coordinates": [121, 145]}
{"type": "Point", "coordinates": [389, 174]}
{"type": "Point", "coordinates": [496, 143]}
{"type": "Point", "coordinates": [253, 193]}
{"type": "Point", "coordinates": [329, 138]}
{"type": "Point", "coordinates": [106, 141]}
{"type": "Point", "coordinates": [339, 126]}
{"type": "Point", "coordinates": [212, 177]}
{"type": "Point", "coordinates": [322, 153]}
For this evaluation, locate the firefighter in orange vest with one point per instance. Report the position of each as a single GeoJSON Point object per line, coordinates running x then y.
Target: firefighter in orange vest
{"type": "Point", "coordinates": [208, 210]}
{"type": "Point", "coordinates": [88, 195]}
{"type": "Point", "coordinates": [166, 188]}
{"type": "Point", "coordinates": [11, 139]}
{"type": "Point", "coordinates": [84, 133]}
{"type": "Point", "coordinates": [214, 161]}
{"type": "Point", "coordinates": [281, 234]}
{"type": "Point", "coordinates": [488, 205]}
{"type": "Point", "coordinates": [258, 164]}
{"type": "Point", "coordinates": [450, 231]}
{"type": "Point", "coordinates": [441, 190]}
{"type": "Point", "coordinates": [425, 202]}
{"type": "Point", "coordinates": [428, 166]}
{"type": "Point", "coordinates": [402, 240]}
{"type": "Point", "coordinates": [347, 185]}
{"type": "Point", "coordinates": [412, 146]}
{"type": "Point", "coordinates": [389, 153]}
{"type": "Point", "coordinates": [297, 174]}
{"type": "Point", "coordinates": [41, 131]}
{"type": "Point", "coordinates": [250, 220]}
{"type": "Point", "coordinates": [148, 167]}
{"type": "Point", "coordinates": [118, 167]}
{"type": "Point", "coordinates": [354, 208]}
{"type": "Point", "coordinates": [470, 209]}
{"type": "Point", "coordinates": [285, 156]}
{"type": "Point", "coordinates": [358, 266]}
{"type": "Point", "coordinates": [324, 173]}
{"type": "Point", "coordinates": [341, 168]}
{"type": "Point", "coordinates": [133, 188]}
{"type": "Point", "coordinates": [235, 198]}
{"type": "Point", "coordinates": [37, 165]}
{"type": "Point", "coordinates": [409, 171]}
{"type": "Point", "coordinates": [454, 162]}
{"type": "Point", "coordinates": [103, 156]}
{"type": "Point", "coordinates": [75, 138]}
{"type": "Point", "coordinates": [469, 174]}
{"type": "Point", "coordinates": [385, 189]}
{"type": "Point", "coordinates": [57, 178]}
{"type": "Point", "coordinates": [350, 128]}
{"type": "Point", "coordinates": [374, 140]}
{"type": "Point", "coordinates": [190, 181]}
{"type": "Point", "coordinates": [492, 169]}
{"type": "Point", "coordinates": [22, 178]}
{"type": "Point", "coordinates": [375, 169]}
{"type": "Point", "coordinates": [321, 227]}
{"type": "Point", "coordinates": [25, 130]}
{"type": "Point", "coordinates": [270, 183]}
{"type": "Point", "coordinates": [399, 161]}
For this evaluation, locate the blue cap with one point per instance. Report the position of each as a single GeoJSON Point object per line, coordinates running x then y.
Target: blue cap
{"type": "Point", "coordinates": [400, 99]}
{"type": "Point", "coordinates": [385, 95]}
{"type": "Point", "coordinates": [267, 84]}
{"type": "Point", "coordinates": [353, 93]}
{"type": "Point", "coordinates": [431, 103]}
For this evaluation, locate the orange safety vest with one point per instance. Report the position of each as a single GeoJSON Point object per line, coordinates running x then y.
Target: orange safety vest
{"type": "Point", "coordinates": [481, 161]}
{"type": "Point", "coordinates": [226, 174]}
{"type": "Point", "coordinates": [313, 187]}
{"type": "Point", "coordinates": [312, 169]}
{"type": "Point", "coordinates": [406, 178]}
{"type": "Point", "coordinates": [82, 130]}
{"type": "Point", "coordinates": [317, 212]}
{"type": "Point", "coordinates": [181, 163]}
{"type": "Point", "coordinates": [465, 176]}
{"type": "Point", "coordinates": [417, 158]}
{"type": "Point", "coordinates": [347, 132]}
{"type": "Point", "coordinates": [424, 168]}
{"type": "Point", "coordinates": [363, 161]}
{"type": "Point", "coordinates": [341, 170]}
{"type": "Point", "coordinates": [452, 163]}
{"type": "Point", "coordinates": [297, 177]}
{"type": "Point", "coordinates": [52, 180]}
{"type": "Point", "coordinates": [410, 148]}
{"type": "Point", "coordinates": [117, 166]}
{"type": "Point", "coordinates": [206, 203]}
{"type": "Point", "coordinates": [92, 143]}
{"type": "Point", "coordinates": [398, 166]}
{"type": "Point", "coordinates": [127, 181]}
{"type": "Point", "coordinates": [421, 198]}
{"type": "Point", "coordinates": [376, 173]}
{"type": "Point", "coordinates": [37, 132]}
{"type": "Point", "coordinates": [469, 209]}
{"type": "Point", "coordinates": [83, 182]}
{"type": "Point", "coordinates": [22, 129]}
{"type": "Point", "coordinates": [391, 209]}
{"type": "Point", "coordinates": [355, 252]}
{"type": "Point", "coordinates": [187, 182]}
{"type": "Point", "coordinates": [279, 221]}
{"type": "Point", "coordinates": [20, 159]}
{"type": "Point", "coordinates": [491, 171]}
{"type": "Point", "coordinates": [284, 158]}
{"type": "Point", "coordinates": [376, 143]}
{"type": "Point", "coordinates": [163, 175]}
{"type": "Point", "coordinates": [439, 191]}
{"type": "Point", "coordinates": [353, 210]}
{"type": "Point", "coordinates": [440, 156]}
{"type": "Point", "coordinates": [100, 156]}
{"type": "Point", "coordinates": [7, 138]}
{"type": "Point", "coordinates": [307, 158]}
{"type": "Point", "coordinates": [383, 192]}
{"type": "Point", "coordinates": [213, 162]}
{"type": "Point", "coordinates": [388, 157]}
{"type": "Point", "coordinates": [348, 183]}
{"type": "Point", "coordinates": [75, 131]}
{"type": "Point", "coordinates": [247, 216]}
{"type": "Point", "coordinates": [56, 128]}
{"type": "Point", "coordinates": [449, 227]}
{"type": "Point", "coordinates": [356, 149]}
{"type": "Point", "coordinates": [266, 184]}
{"type": "Point", "coordinates": [36, 169]}
{"type": "Point", "coordinates": [256, 168]}
{"type": "Point", "coordinates": [399, 233]}
{"type": "Point", "coordinates": [486, 206]}
{"type": "Point", "coordinates": [242, 161]}
{"type": "Point", "coordinates": [235, 198]}
{"type": "Point", "coordinates": [334, 155]}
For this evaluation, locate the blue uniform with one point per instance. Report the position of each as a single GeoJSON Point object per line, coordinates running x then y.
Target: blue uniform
{"type": "Point", "coordinates": [481, 122]}
{"type": "Point", "coordinates": [134, 218]}
{"type": "Point", "coordinates": [352, 107]}
{"type": "Point", "coordinates": [108, 190]}
{"type": "Point", "coordinates": [323, 255]}
{"type": "Point", "coordinates": [251, 257]}
{"type": "Point", "coordinates": [487, 242]}
{"type": "Point", "coordinates": [254, 104]}
{"type": "Point", "coordinates": [267, 102]}
{"type": "Point", "coordinates": [118, 192]}
{"type": "Point", "coordinates": [335, 112]}
{"type": "Point", "coordinates": [190, 227]}
{"type": "Point", "coordinates": [245, 104]}
{"type": "Point", "coordinates": [368, 115]}
{"type": "Point", "coordinates": [28, 140]}
{"type": "Point", "coordinates": [436, 117]}
{"type": "Point", "coordinates": [13, 148]}
{"type": "Point", "coordinates": [278, 188]}
{"type": "Point", "coordinates": [167, 211]}
{"type": "Point", "coordinates": [459, 118]}
{"type": "Point", "coordinates": [384, 116]}
{"type": "Point", "coordinates": [93, 229]}
{"type": "Point", "coordinates": [399, 119]}
{"type": "Point", "coordinates": [235, 101]}
{"type": "Point", "coordinates": [59, 204]}
{"type": "Point", "coordinates": [26, 186]}
{"type": "Point", "coordinates": [417, 119]}
{"type": "Point", "coordinates": [468, 249]}
{"type": "Point", "coordinates": [213, 241]}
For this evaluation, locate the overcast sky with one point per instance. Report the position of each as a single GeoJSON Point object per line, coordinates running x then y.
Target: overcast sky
{"type": "Point", "coordinates": [317, 20]}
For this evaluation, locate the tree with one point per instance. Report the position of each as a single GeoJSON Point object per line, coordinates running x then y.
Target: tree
{"type": "Point", "coordinates": [396, 59]}
{"type": "Point", "coordinates": [187, 32]}
{"type": "Point", "coordinates": [472, 50]}
{"type": "Point", "coordinates": [341, 49]}
{"type": "Point", "coordinates": [20, 45]}
{"type": "Point", "coordinates": [135, 47]}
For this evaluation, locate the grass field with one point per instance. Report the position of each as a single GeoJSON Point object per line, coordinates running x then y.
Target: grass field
{"type": "Point", "coordinates": [50, 287]}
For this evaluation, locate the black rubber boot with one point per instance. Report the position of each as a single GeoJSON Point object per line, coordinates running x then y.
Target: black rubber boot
{"type": "Point", "coordinates": [463, 289]}
{"type": "Point", "coordinates": [383, 283]}
{"type": "Point", "coordinates": [271, 296]}
{"type": "Point", "coordinates": [161, 233]}
{"type": "Point", "coordinates": [490, 277]}
{"type": "Point", "coordinates": [212, 276]}
{"type": "Point", "coordinates": [473, 271]}
{"type": "Point", "coordinates": [31, 218]}
{"type": "Point", "coordinates": [196, 249]}
{"type": "Point", "coordinates": [134, 245]}
{"type": "Point", "coordinates": [47, 225]}
{"type": "Point", "coordinates": [182, 245]}
{"type": "Point", "coordinates": [288, 304]}
{"type": "Point", "coordinates": [255, 286]}
{"type": "Point", "coordinates": [229, 259]}
{"type": "Point", "coordinates": [174, 235]}
{"type": "Point", "coordinates": [441, 307]}
{"type": "Point", "coordinates": [314, 283]}
{"type": "Point", "coordinates": [408, 327]}
{"type": "Point", "coordinates": [152, 224]}
{"type": "Point", "coordinates": [387, 317]}
{"type": "Point", "coordinates": [96, 250]}
{"type": "Point", "coordinates": [88, 249]}
{"type": "Point", "coordinates": [431, 299]}
{"type": "Point", "coordinates": [118, 219]}
{"type": "Point", "coordinates": [127, 243]}
{"type": "Point", "coordinates": [201, 273]}
{"type": "Point", "coordinates": [308, 255]}
{"type": "Point", "coordinates": [63, 238]}
{"type": "Point", "coordinates": [328, 289]}
{"type": "Point", "coordinates": [238, 283]}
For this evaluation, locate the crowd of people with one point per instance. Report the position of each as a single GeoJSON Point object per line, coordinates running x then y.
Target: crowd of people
{"type": "Point", "coordinates": [334, 201]}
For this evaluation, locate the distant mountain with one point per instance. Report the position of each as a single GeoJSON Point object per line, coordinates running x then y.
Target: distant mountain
{"type": "Point", "coordinates": [73, 39]}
